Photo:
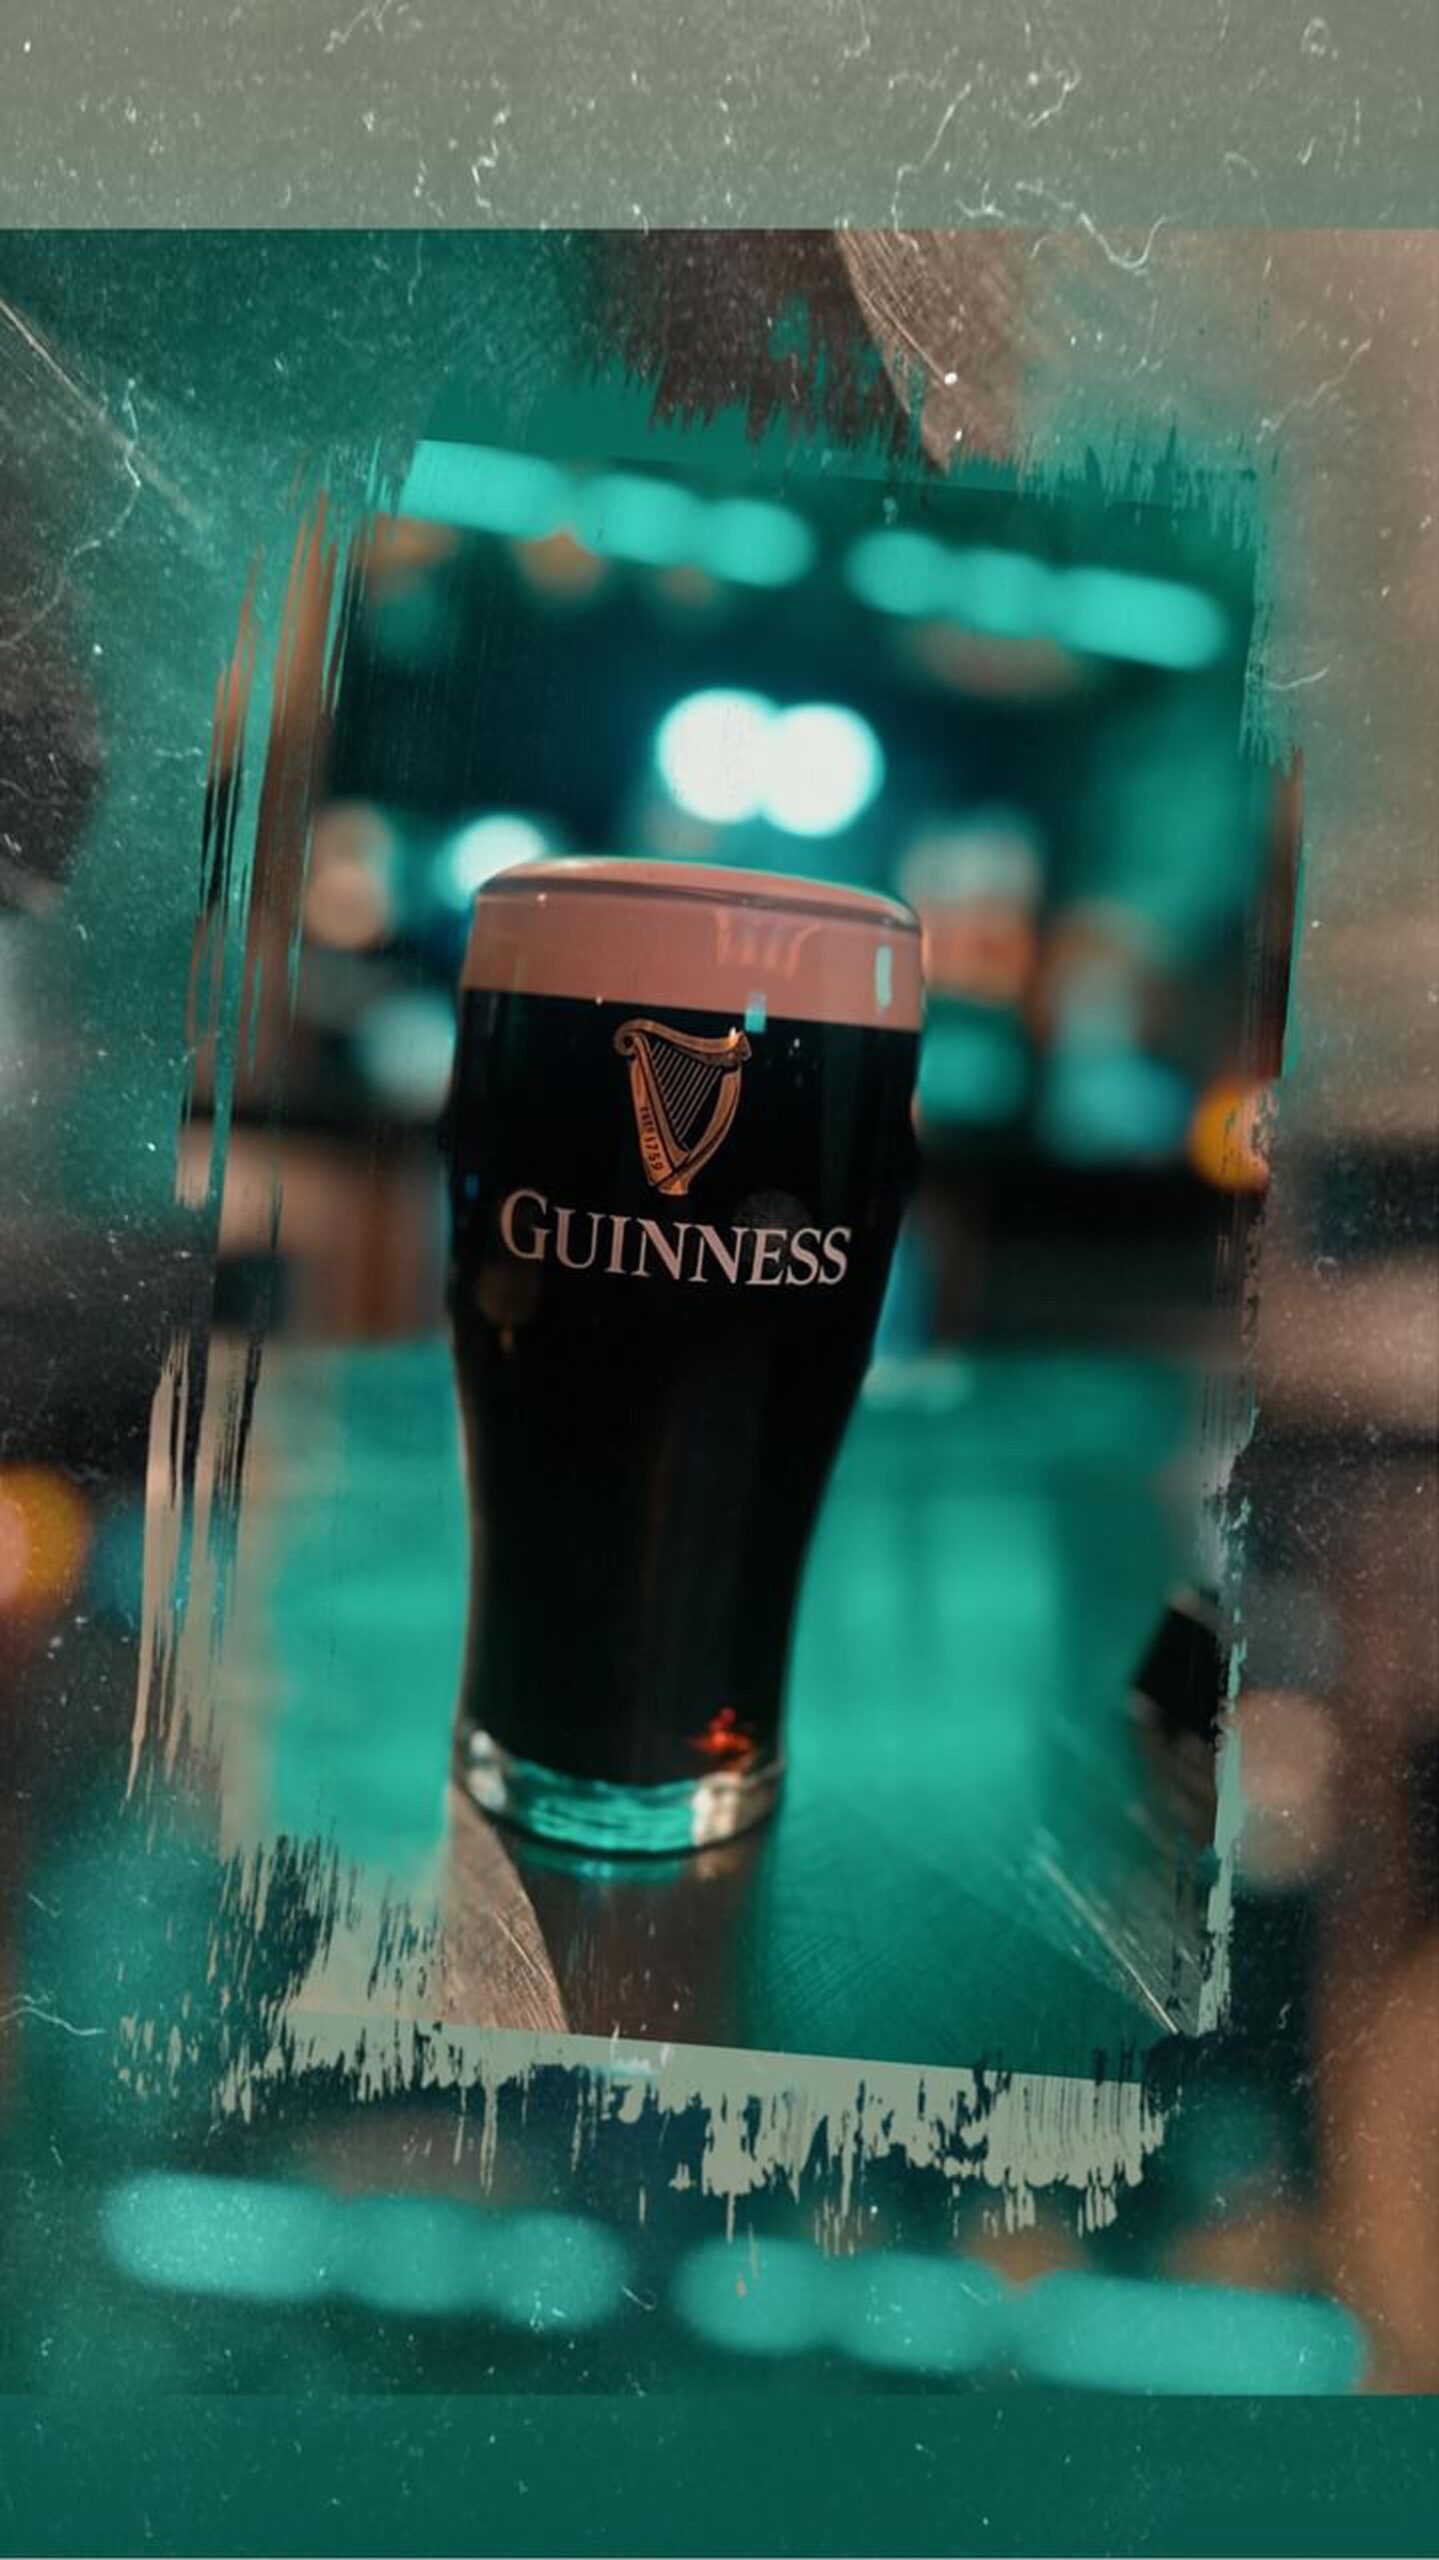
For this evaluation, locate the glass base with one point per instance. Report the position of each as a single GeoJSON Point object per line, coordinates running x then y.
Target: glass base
{"type": "Point", "coordinates": [589, 1813]}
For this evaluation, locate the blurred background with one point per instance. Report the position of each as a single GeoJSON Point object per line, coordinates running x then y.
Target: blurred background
{"type": "Point", "coordinates": [1021, 713]}
{"type": "Point", "coordinates": [1022, 707]}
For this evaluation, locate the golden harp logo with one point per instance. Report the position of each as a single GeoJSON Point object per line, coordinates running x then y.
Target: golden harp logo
{"type": "Point", "coordinates": [685, 1093]}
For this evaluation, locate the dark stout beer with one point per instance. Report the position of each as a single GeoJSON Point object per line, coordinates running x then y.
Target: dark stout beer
{"type": "Point", "coordinates": [680, 1148]}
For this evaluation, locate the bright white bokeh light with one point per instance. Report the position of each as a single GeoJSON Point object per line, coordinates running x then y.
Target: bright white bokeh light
{"type": "Point", "coordinates": [822, 767]}
{"type": "Point", "coordinates": [484, 847]}
{"type": "Point", "coordinates": [730, 756]}
{"type": "Point", "coordinates": [711, 751]}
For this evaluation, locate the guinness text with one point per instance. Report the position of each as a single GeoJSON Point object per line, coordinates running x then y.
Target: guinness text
{"type": "Point", "coordinates": [642, 1249]}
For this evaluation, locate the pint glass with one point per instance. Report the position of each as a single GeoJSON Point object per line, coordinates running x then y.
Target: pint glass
{"type": "Point", "coordinates": [680, 1146]}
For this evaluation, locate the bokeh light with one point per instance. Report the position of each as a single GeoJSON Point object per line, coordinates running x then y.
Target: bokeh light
{"type": "Point", "coordinates": [44, 1537]}
{"type": "Point", "coordinates": [1111, 613]}
{"type": "Point", "coordinates": [779, 2300]}
{"type": "Point", "coordinates": [1113, 1107]}
{"type": "Point", "coordinates": [710, 753]}
{"type": "Point", "coordinates": [486, 846]}
{"type": "Point", "coordinates": [628, 515]}
{"type": "Point", "coordinates": [346, 906]}
{"type": "Point", "coordinates": [1114, 2333]}
{"type": "Point", "coordinates": [756, 543]}
{"type": "Point", "coordinates": [1006, 593]}
{"type": "Point", "coordinates": [350, 891]}
{"type": "Point", "coordinates": [562, 570]}
{"type": "Point", "coordinates": [822, 767]}
{"type": "Point", "coordinates": [1290, 1781]}
{"type": "Point", "coordinates": [900, 573]}
{"type": "Point", "coordinates": [910, 2314]}
{"type": "Point", "coordinates": [1153, 621]}
{"type": "Point", "coordinates": [405, 1046]}
{"type": "Point", "coordinates": [264, 2240]}
{"type": "Point", "coordinates": [974, 1070]}
{"type": "Point", "coordinates": [486, 489]}
{"type": "Point", "coordinates": [251, 2239]}
{"type": "Point", "coordinates": [1227, 1134]}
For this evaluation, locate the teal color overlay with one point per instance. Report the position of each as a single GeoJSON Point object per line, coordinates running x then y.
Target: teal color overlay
{"type": "Point", "coordinates": [759, 2472]}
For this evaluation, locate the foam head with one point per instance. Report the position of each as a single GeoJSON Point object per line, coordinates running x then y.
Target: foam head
{"type": "Point", "coordinates": [756, 946]}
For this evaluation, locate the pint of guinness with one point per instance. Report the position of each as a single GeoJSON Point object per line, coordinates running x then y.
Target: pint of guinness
{"type": "Point", "coordinates": [680, 1148]}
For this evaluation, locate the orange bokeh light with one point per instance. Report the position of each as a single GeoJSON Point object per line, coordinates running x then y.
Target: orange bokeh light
{"type": "Point", "coordinates": [1227, 1135]}
{"type": "Point", "coordinates": [724, 1738]}
{"type": "Point", "coordinates": [44, 1538]}
{"type": "Point", "coordinates": [560, 566]}
{"type": "Point", "coordinates": [985, 949]}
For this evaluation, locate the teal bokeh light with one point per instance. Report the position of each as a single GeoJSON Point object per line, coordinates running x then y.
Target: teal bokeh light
{"type": "Point", "coordinates": [419, 2256]}
{"type": "Point", "coordinates": [891, 2309]}
{"type": "Point", "coordinates": [245, 2238]}
{"type": "Point", "coordinates": [1154, 621]}
{"type": "Point", "coordinates": [1113, 2333]}
{"type": "Point", "coordinates": [556, 2270]}
{"type": "Point", "coordinates": [1098, 612]}
{"type": "Point", "coordinates": [909, 2314]}
{"type": "Point", "coordinates": [639, 516]}
{"type": "Point", "coordinates": [405, 1045]}
{"type": "Point", "coordinates": [432, 2257]}
{"type": "Point", "coordinates": [484, 489]}
{"type": "Point", "coordinates": [974, 1066]}
{"type": "Point", "coordinates": [755, 543]}
{"type": "Point", "coordinates": [939, 2315]}
{"type": "Point", "coordinates": [1119, 1107]}
{"type": "Point", "coordinates": [1005, 593]}
{"type": "Point", "coordinates": [777, 2300]}
{"type": "Point", "coordinates": [900, 573]}
{"type": "Point", "coordinates": [627, 515]}
{"type": "Point", "coordinates": [487, 845]}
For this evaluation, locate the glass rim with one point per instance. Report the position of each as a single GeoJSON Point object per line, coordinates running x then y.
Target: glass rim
{"type": "Point", "coordinates": [715, 884]}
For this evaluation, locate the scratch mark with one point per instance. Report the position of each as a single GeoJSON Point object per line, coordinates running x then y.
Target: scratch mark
{"type": "Point", "coordinates": [1237, 160]}
{"type": "Point", "coordinates": [97, 415]}
{"type": "Point", "coordinates": [489, 160]}
{"type": "Point", "coordinates": [375, 11]}
{"type": "Point", "coordinates": [51, 361]}
{"type": "Point", "coordinates": [912, 168]}
{"type": "Point", "coordinates": [1132, 261]}
{"type": "Point", "coordinates": [1145, 361]}
{"type": "Point", "coordinates": [27, 2008]}
{"type": "Point", "coordinates": [1069, 81]}
{"type": "Point", "coordinates": [1310, 400]}
{"type": "Point", "coordinates": [857, 52]}
{"type": "Point", "coordinates": [1085, 1910]}
{"type": "Point", "coordinates": [1292, 684]}
{"type": "Point", "coordinates": [93, 541]}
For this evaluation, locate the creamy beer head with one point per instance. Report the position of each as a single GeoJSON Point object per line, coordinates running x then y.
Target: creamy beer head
{"type": "Point", "coordinates": [755, 944]}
